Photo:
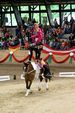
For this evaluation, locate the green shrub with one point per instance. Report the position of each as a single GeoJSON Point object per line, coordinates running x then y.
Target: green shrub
{"type": "Point", "coordinates": [14, 77]}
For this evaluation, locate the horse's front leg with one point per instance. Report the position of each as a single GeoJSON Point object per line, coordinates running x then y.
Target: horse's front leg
{"type": "Point", "coordinates": [28, 90]}
{"type": "Point", "coordinates": [28, 85]}
{"type": "Point", "coordinates": [46, 80]}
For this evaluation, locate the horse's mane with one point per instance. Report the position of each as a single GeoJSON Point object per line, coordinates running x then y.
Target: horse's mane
{"type": "Point", "coordinates": [30, 65]}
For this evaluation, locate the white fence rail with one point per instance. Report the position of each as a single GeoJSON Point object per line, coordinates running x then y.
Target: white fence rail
{"type": "Point", "coordinates": [22, 76]}
{"type": "Point", "coordinates": [67, 74]}
{"type": "Point", "coordinates": [4, 78]}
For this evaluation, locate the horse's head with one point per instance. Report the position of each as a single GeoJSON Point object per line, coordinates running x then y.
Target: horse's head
{"type": "Point", "coordinates": [27, 66]}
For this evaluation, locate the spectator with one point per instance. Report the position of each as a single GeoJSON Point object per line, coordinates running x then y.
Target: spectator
{"type": "Point", "coordinates": [71, 21]}
{"type": "Point", "coordinates": [2, 44]}
{"type": "Point", "coordinates": [71, 39]}
{"type": "Point", "coordinates": [6, 44]}
{"type": "Point", "coordinates": [7, 35]}
{"type": "Point", "coordinates": [58, 30]}
{"type": "Point", "coordinates": [73, 28]}
{"type": "Point", "coordinates": [54, 35]}
{"type": "Point", "coordinates": [17, 31]}
{"type": "Point", "coordinates": [14, 41]}
{"type": "Point", "coordinates": [55, 23]}
{"type": "Point", "coordinates": [62, 47]}
{"type": "Point", "coordinates": [67, 44]}
{"type": "Point", "coordinates": [53, 44]}
{"type": "Point", "coordinates": [66, 21]}
{"type": "Point", "coordinates": [22, 35]}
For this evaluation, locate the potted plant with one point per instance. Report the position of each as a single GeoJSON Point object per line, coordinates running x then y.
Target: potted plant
{"type": "Point", "coordinates": [14, 77]}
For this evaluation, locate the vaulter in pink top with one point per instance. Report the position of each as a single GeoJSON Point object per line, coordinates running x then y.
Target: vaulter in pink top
{"type": "Point", "coordinates": [39, 34]}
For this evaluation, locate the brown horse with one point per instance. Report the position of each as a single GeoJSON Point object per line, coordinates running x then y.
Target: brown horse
{"type": "Point", "coordinates": [30, 75]}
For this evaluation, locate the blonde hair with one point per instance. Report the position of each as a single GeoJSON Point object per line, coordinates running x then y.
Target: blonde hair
{"type": "Point", "coordinates": [37, 26]}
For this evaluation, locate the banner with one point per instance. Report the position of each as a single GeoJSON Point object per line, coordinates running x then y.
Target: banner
{"type": "Point", "coordinates": [15, 48]}
{"type": "Point", "coordinates": [47, 49]}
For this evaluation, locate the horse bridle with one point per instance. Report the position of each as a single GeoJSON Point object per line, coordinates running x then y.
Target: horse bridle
{"type": "Point", "coordinates": [28, 72]}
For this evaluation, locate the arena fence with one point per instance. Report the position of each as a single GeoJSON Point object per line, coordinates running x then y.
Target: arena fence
{"type": "Point", "coordinates": [47, 50]}
{"type": "Point", "coordinates": [67, 74]}
{"type": "Point", "coordinates": [4, 78]}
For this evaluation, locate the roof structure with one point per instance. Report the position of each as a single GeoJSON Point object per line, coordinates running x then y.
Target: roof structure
{"type": "Point", "coordinates": [35, 2]}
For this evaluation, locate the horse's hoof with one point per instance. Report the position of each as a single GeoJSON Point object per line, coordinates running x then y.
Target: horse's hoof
{"type": "Point", "coordinates": [27, 92]}
{"type": "Point", "coordinates": [47, 89]}
{"type": "Point", "coordinates": [39, 89]}
{"type": "Point", "coordinates": [26, 95]}
{"type": "Point", "coordinates": [30, 92]}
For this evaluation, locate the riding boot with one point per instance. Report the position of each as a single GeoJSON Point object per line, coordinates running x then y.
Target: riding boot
{"type": "Point", "coordinates": [31, 53]}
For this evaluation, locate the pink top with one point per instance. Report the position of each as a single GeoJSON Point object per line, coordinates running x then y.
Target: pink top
{"type": "Point", "coordinates": [39, 35]}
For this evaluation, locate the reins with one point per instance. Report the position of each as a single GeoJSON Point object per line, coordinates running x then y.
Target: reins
{"type": "Point", "coordinates": [28, 72]}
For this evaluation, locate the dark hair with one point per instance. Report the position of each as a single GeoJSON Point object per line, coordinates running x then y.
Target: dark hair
{"type": "Point", "coordinates": [33, 21]}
